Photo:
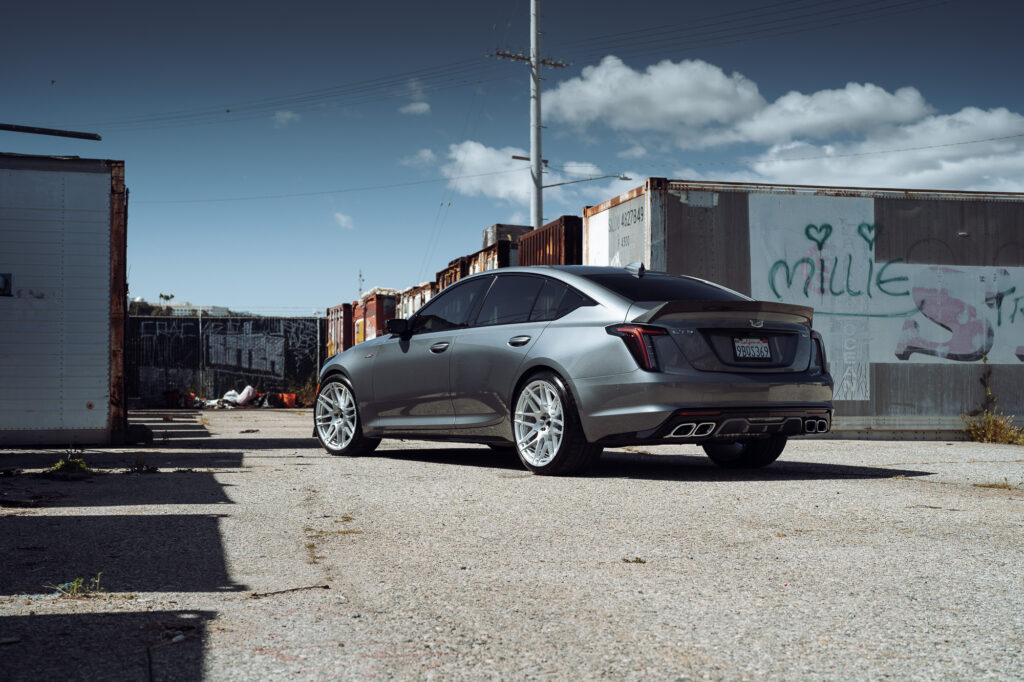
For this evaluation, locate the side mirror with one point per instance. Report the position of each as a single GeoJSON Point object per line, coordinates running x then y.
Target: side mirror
{"type": "Point", "coordinates": [397, 326]}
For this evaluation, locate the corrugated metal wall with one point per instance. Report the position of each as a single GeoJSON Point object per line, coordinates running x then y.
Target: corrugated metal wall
{"type": "Point", "coordinates": [56, 344]}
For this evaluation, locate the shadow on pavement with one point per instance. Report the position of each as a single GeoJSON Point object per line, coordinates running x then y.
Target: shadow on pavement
{"type": "Point", "coordinates": [113, 490]}
{"type": "Point", "coordinates": [625, 464]}
{"type": "Point", "coordinates": [159, 645]}
{"type": "Point", "coordinates": [156, 553]}
{"type": "Point", "coordinates": [120, 460]}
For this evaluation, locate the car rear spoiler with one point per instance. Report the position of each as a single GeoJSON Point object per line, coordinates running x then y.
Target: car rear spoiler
{"type": "Point", "coordinates": [776, 312]}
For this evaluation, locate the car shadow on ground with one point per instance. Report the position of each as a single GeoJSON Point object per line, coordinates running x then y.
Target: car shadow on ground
{"type": "Point", "coordinates": [626, 464]}
{"type": "Point", "coordinates": [158, 645]}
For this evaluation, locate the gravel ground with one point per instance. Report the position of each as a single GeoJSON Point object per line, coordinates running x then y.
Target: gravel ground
{"type": "Point", "coordinates": [251, 554]}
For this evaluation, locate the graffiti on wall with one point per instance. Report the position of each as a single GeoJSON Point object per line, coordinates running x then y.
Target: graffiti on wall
{"type": "Point", "coordinates": [820, 251]}
{"type": "Point", "coordinates": [214, 355]}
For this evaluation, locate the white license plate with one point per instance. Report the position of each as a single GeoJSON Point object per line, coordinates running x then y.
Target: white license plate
{"type": "Point", "coordinates": [751, 349]}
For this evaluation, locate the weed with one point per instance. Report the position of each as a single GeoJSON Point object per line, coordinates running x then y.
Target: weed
{"type": "Point", "coordinates": [1004, 485]}
{"type": "Point", "coordinates": [140, 467]}
{"type": "Point", "coordinates": [987, 424]}
{"type": "Point", "coordinates": [635, 560]}
{"type": "Point", "coordinates": [80, 588]}
{"type": "Point", "coordinates": [69, 464]}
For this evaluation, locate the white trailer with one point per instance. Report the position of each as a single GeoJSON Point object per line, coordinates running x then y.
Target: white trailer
{"type": "Point", "coordinates": [62, 300]}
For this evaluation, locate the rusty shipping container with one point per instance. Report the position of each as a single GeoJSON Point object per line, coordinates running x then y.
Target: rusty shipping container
{"type": "Point", "coordinates": [560, 242]}
{"type": "Point", "coordinates": [63, 295]}
{"type": "Point", "coordinates": [913, 290]}
{"type": "Point", "coordinates": [412, 299]}
{"type": "Point", "coordinates": [502, 254]}
{"type": "Point", "coordinates": [457, 269]}
{"type": "Point", "coordinates": [339, 328]}
{"type": "Point", "coordinates": [377, 306]}
{"type": "Point", "coordinates": [501, 232]}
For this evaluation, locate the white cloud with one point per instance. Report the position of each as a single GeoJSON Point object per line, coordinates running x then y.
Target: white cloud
{"type": "Point", "coordinates": [855, 108]}
{"type": "Point", "coordinates": [926, 154]}
{"type": "Point", "coordinates": [423, 157]}
{"type": "Point", "coordinates": [415, 108]}
{"type": "Point", "coordinates": [417, 93]}
{"type": "Point", "coordinates": [634, 152]}
{"type": "Point", "coordinates": [825, 137]}
{"type": "Point", "coordinates": [474, 169]}
{"type": "Point", "coordinates": [667, 97]}
{"type": "Point", "coordinates": [283, 119]}
{"type": "Point", "coordinates": [345, 222]}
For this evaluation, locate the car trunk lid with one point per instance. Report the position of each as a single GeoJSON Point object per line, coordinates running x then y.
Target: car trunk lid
{"type": "Point", "coordinates": [732, 336]}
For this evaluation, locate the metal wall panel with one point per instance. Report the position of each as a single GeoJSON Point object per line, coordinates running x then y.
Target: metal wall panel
{"type": "Point", "coordinates": [913, 291]}
{"type": "Point", "coordinates": [55, 241]}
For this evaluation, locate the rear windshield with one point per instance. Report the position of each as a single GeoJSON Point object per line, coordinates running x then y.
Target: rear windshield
{"type": "Point", "coordinates": [657, 287]}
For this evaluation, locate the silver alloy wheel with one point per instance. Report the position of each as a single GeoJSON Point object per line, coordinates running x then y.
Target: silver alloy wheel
{"type": "Point", "coordinates": [336, 416]}
{"type": "Point", "coordinates": [539, 422]}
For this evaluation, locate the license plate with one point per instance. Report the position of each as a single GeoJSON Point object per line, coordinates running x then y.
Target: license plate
{"type": "Point", "coordinates": [751, 349]}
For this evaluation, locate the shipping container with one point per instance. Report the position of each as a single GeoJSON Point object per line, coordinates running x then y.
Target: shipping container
{"type": "Point", "coordinates": [339, 328]}
{"type": "Point", "coordinates": [412, 299]}
{"type": "Point", "coordinates": [456, 270]}
{"type": "Point", "coordinates": [913, 290]}
{"type": "Point", "coordinates": [502, 254]}
{"type": "Point", "coordinates": [63, 295]}
{"type": "Point", "coordinates": [560, 242]}
{"type": "Point", "coordinates": [504, 233]}
{"type": "Point", "coordinates": [358, 323]}
{"type": "Point", "coordinates": [377, 307]}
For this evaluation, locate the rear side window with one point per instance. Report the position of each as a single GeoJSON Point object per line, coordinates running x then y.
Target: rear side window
{"type": "Point", "coordinates": [509, 301]}
{"type": "Point", "coordinates": [658, 287]}
{"type": "Point", "coordinates": [556, 300]}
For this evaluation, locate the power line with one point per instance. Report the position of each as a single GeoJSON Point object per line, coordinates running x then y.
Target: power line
{"type": "Point", "coordinates": [346, 190]}
{"type": "Point", "coordinates": [893, 151]}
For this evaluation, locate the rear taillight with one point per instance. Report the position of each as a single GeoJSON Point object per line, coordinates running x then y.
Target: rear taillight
{"type": "Point", "coordinates": [819, 351]}
{"type": "Point", "coordinates": [639, 339]}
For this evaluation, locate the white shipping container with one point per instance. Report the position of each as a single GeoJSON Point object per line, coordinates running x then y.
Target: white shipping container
{"type": "Point", "coordinates": [62, 292]}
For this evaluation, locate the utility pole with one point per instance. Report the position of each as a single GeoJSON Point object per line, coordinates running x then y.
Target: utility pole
{"type": "Point", "coordinates": [535, 60]}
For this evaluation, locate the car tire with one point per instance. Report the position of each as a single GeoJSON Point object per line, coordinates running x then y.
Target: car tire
{"type": "Point", "coordinates": [546, 428]}
{"type": "Point", "coordinates": [336, 420]}
{"type": "Point", "coordinates": [750, 454]}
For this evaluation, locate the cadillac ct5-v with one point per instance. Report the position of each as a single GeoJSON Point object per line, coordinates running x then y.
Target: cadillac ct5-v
{"type": "Point", "coordinates": [557, 362]}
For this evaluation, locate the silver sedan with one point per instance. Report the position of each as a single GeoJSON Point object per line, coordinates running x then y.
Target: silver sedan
{"type": "Point", "coordinates": [558, 362]}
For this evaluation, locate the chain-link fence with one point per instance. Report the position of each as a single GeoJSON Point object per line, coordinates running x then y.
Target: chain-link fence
{"type": "Point", "coordinates": [209, 356]}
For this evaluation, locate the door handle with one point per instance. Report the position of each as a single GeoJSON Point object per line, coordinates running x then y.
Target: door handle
{"type": "Point", "coordinates": [519, 341]}
{"type": "Point", "coordinates": [439, 347]}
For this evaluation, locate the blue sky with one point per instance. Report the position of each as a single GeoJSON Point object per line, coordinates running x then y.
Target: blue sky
{"type": "Point", "coordinates": [275, 150]}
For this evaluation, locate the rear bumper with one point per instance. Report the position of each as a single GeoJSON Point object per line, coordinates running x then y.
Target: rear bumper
{"type": "Point", "coordinates": [647, 407]}
{"type": "Point", "coordinates": [698, 426]}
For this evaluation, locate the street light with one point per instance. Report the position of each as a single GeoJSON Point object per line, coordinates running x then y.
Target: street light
{"type": "Point", "coordinates": [619, 176]}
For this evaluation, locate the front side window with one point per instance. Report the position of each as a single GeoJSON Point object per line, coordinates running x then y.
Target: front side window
{"type": "Point", "coordinates": [451, 309]}
{"type": "Point", "coordinates": [510, 299]}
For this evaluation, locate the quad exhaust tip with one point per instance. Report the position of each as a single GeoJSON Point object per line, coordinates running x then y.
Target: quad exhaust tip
{"type": "Point", "coordinates": [692, 430]}
{"type": "Point", "coordinates": [815, 426]}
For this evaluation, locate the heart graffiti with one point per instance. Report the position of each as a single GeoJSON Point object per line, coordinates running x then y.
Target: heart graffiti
{"type": "Point", "coordinates": [818, 234]}
{"type": "Point", "coordinates": [868, 232]}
